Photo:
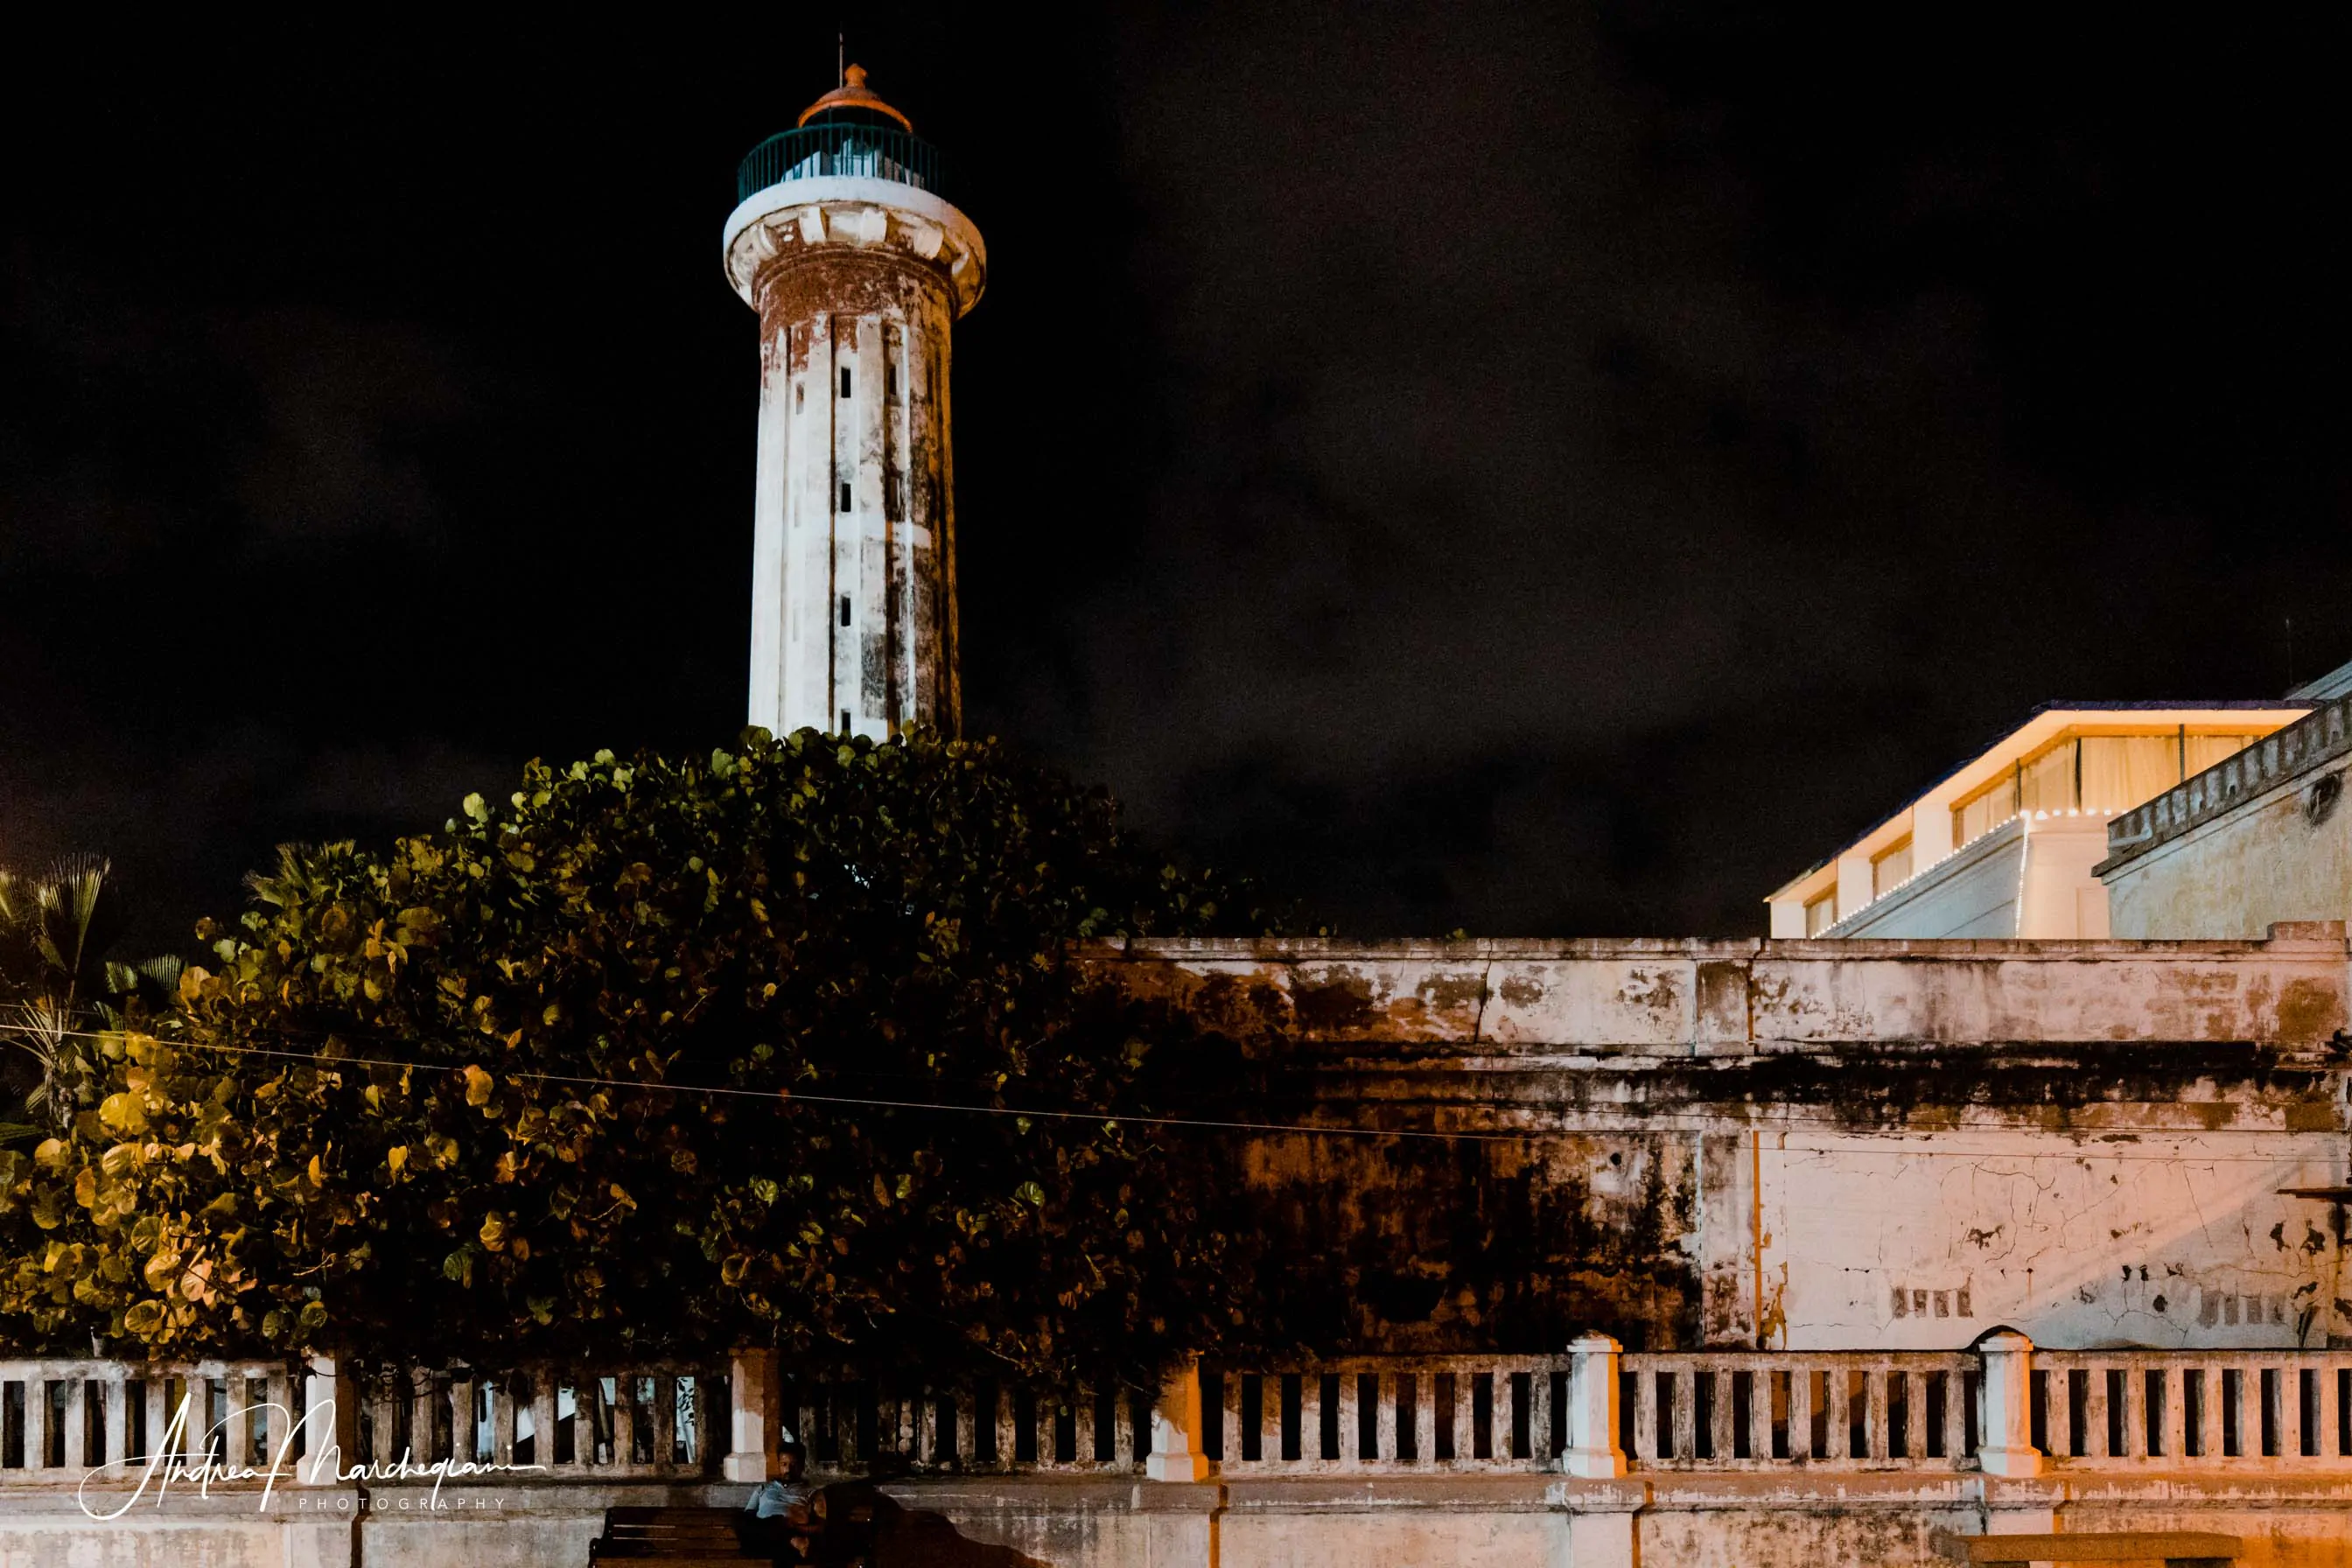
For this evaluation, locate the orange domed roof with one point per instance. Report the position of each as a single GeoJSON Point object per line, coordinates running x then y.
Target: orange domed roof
{"type": "Point", "coordinates": [853, 93]}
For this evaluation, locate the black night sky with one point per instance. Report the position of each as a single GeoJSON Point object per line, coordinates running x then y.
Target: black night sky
{"type": "Point", "coordinates": [1546, 475]}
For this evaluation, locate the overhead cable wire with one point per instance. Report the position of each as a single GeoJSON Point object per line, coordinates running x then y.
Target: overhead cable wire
{"type": "Point", "coordinates": [1533, 1135]}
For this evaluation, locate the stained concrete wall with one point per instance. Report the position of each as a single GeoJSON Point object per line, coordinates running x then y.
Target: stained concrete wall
{"type": "Point", "coordinates": [2283, 854]}
{"type": "Point", "coordinates": [2261, 837]}
{"type": "Point", "coordinates": [1796, 1521]}
{"type": "Point", "coordinates": [1808, 1145]}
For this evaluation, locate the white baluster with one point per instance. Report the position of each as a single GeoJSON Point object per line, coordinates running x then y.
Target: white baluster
{"type": "Point", "coordinates": [1351, 1431]}
{"type": "Point", "coordinates": [117, 1420]}
{"type": "Point", "coordinates": [1720, 1412]}
{"type": "Point", "coordinates": [1008, 1428]}
{"type": "Point", "coordinates": [1801, 1411]}
{"type": "Point", "coordinates": [1956, 1415]}
{"type": "Point", "coordinates": [1465, 1433]}
{"type": "Point", "coordinates": [1592, 1405]}
{"type": "Point", "coordinates": [1683, 1416]}
{"type": "Point", "coordinates": [1539, 1446]}
{"type": "Point", "coordinates": [1646, 1416]}
{"type": "Point", "coordinates": [77, 1451]}
{"type": "Point", "coordinates": [2330, 1416]}
{"type": "Point", "coordinates": [502, 1420]}
{"type": "Point", "coordinates": [1082, 1425]}
{"type": "Point", "coordinates": [1837, 1380]}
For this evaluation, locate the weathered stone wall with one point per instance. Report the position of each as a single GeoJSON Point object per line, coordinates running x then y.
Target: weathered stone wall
{"type": "Point", "coordinates": [1808, 1146]}
{"type": "Point", "coordinates": [1538, 1522]}
{"type": "Point", "coordinates": [2280, 857]}
{"type": "Point", "coordinates": [2260, 837]}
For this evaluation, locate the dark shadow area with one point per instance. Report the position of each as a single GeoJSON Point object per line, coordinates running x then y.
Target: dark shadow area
{"type": "Point", "coordinates": [867, 1529]}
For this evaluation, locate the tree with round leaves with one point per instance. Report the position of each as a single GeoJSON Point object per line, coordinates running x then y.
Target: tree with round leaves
{"type": "Point", "coordinates": [648, 1059]}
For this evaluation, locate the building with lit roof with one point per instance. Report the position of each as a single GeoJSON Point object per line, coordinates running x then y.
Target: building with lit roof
{"type": "Point", "coordinates": [2003, 845]}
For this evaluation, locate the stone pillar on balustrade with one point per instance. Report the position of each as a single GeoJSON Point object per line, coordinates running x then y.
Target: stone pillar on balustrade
{"type": "Point", "coordinates": [757, 1417]}
{"type": "Point", "coordinates": [1176, 1417]}
{"type": "Point", "coordinates": [1592, 1394]}
{"type": "Point", "coordinates": [2008, 1447]}
{"type": "Point", "coordinates": [1602, 1519]}
{"type": "Point", "coordinates": [326, 1398]}
{"type": "Point", "coordinates": [328, 1410]}
{"type": "Point", "coordinates": [2014, 1502]}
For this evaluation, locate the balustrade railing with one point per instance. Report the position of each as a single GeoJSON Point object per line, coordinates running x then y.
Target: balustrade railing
{"type": "Point", "coordinates": [1761, 1411]}
{"type": "Point", "coordinates": [2192, 1409]}
{"type": "Point", "coordinates": [2005, 1407]}
{"type": "Point", "coordinates": [1378, 1414]}
{"type": "Point", "coordinates": [661, 1422]}
{"type": "Point", "coordinates": [850, 1426]}
{"type": "Point", "coordinates": [60, 1419]}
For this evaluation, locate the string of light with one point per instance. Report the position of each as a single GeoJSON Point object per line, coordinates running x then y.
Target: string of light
{"type": "Point", "coordinates": [1332, 1130]}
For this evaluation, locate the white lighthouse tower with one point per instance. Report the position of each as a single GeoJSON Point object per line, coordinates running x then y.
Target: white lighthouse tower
{"type": "Point", "coordinates": [858, 267]}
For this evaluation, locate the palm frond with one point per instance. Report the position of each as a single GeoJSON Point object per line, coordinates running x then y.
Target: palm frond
{"type": "Point", "coordinates": [77, 915]}
{"type": "Point", "coordinates": [43, 1031]}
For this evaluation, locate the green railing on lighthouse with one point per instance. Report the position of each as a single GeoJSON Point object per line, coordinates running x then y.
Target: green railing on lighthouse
{"type": "Point", "coordinates": [816, 152]}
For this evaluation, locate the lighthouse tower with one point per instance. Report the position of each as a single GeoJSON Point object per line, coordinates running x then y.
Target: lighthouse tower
{"type": "Point", "coordinates": [858, 267]}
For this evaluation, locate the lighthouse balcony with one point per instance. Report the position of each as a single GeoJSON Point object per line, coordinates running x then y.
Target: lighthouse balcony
{"type": "Point", "coordinates": [815, 152]}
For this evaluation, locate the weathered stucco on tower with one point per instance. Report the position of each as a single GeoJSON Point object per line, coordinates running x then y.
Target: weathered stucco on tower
{"type": "Point", "coordinates": [1788, 1144]}
{"type": "Point", "coordinates": [858, 282]}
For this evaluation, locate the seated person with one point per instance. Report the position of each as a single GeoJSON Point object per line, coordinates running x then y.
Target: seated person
{"type": "Point", "coordinates": [785, 1511]}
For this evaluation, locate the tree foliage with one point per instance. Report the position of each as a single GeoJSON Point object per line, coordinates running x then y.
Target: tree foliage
{"type": "Point", "coordinates": [59, 982]}
{"type": "Point", "coordinates": [458, 1096]}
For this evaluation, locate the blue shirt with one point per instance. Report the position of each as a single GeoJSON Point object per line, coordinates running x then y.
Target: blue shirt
{"type": "Point", "coordinates": [777, 1498]}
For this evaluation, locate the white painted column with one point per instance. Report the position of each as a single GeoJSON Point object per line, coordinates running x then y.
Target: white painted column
{"type": "Point", "coordinates": [898, 536]}
{"type": "Point", "coordinates": [1854, 883]}
{"type": "Point", "coordinates": [1931, 833]}
{"type": "Point", "coordinates": [1593, 1396]}
{"type": "Point", "coordinates": [770, 596]}
{"type": "Point", "coordinates": [865, 428]}
{"type": "Point", "coordinates": [328, 1407]}
{"type": "Point", "coordinates": [755, 1404]}
{"type": "Point", "coordinates": [935, 461]}
{"type": "Point", "coordinates": [809, 508]}
{"type": "Point", "coordinates": [330, 1421]}
{"type": "Point", "coordinates": [844, 501]}
{"type": "Point", "coordinates": [2008, 1447]}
